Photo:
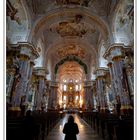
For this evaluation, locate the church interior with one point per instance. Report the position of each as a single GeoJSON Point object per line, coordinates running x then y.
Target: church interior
{"type": "Point", "coordinates": [70, 57]}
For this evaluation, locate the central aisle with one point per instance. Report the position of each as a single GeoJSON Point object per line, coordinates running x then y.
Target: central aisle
{"type": "Point", "coordinates": [85, 131]}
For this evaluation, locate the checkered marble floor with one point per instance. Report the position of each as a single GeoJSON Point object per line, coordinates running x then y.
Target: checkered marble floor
{"type": "Point", "coordinates": [85, 131]}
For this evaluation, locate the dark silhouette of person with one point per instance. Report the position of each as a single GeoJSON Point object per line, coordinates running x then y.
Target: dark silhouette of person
{"type": "Point", "coordinates": [28, 126]}
{"type": "Point", "coordinates": [70, 129]}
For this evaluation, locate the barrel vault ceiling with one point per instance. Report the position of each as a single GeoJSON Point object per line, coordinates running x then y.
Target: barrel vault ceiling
{"type": "Point", "coordinates": [69, 28]}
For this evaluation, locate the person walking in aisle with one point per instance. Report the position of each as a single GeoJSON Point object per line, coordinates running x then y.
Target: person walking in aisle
{"type": "Point", "coordinates": [70, 129]}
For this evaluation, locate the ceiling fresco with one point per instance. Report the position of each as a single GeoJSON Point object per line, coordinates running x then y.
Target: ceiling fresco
{"type": "Point", "coordinates": [71, 50]}
{"type": "Point", "coordinates": [73, 27]}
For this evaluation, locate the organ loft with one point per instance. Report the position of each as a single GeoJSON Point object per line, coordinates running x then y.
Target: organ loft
{"type": "Point", "coordinates": [70, 57]}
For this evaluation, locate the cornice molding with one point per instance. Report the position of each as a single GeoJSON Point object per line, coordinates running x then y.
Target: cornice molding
{"type": "Point", "coordinates": [40, 71]}
{"type": "Point", "coordinates": [28, 45]}
{"type": "Point", "coordinates": [109, 51]}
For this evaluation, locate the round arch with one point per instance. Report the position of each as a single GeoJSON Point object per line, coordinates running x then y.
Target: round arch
{"type": "Point", "coordinates": [71, 58]}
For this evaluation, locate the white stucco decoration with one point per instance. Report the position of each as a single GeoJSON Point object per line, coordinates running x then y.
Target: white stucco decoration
{"type": "Point", "coordinates": [25, 51]}
{"type": "Point", "coordinates": [17, 30]}
{"type": "Point", "coordinates": [49, 70]}
{"type": "Point", "coordinates": [123, 23]}
{"type": "Point", "coordinates": [93, 77]}
{"type": "Point", "coordinates": [102, 62]}
{"type": "Point", "coordinates": [40, 48]}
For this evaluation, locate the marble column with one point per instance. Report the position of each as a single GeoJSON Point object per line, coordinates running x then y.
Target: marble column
{"type": "Point", "coordinates": [27, 51]}
{"type": "Point", "coordinates": [122, 83]}
{"type": "Point", "coordinates": [53, 102]}
{"type": "Point", "coordinates": [95, 100]}
{"type": "Point", "coordinates": [40, 74]}
{"type": "Point", "coordinates": [130, 77]}
{"type": "Point", "coordinates": [129, 71]}
{"type": "Point", "coordinates": [112, 79]}
{"type": "Point", "coordinates": [50, 99]}
{"type": "Point", "coordinates": [119, 82]}
{"type": "Point", "coordinates": [10, 74]}
{"type": "Point", "coordinates": [109, 94]}
{"type": "Point", "coordinates": [29, 83]}
{"type": "Point", "coordinates": [98, 100]}
{"type": "Point", "coordinates": [85, 99]}
{"type": "Point", "coordinates": [34, 89]}
{"type": "Point", "coordinates": [47, 89]}
{"type": "Point", "coordinates": [100, 92]}
{"type": "Point", "coordinates": [21, 85]}
{"type": "Point", "coordinates": [101, 87]}
{"type": "Point", "coordinates": [88, 95]}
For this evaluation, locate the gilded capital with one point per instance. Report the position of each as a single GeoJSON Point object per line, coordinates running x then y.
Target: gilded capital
{"type": "Point", "coordinates": [117, 58]}
{"type": "Point", "coordinates": [28, 49]}
{"type": "Point", "coordinates": [12, 71]}
{"type": "Point", "coordinates": [24, 57]}
{"type": "Point", "coordinates": [116, 49]}
{"type": "Point", "coordinates": [40, 71]}
{"type": "Point", "coordinates": [100, 77]}
{"type": "Point", "coordinates": [101, 71]}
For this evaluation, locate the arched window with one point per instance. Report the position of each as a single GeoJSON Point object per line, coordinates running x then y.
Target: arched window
{"type": "Point", "coordinates": [65, 87]}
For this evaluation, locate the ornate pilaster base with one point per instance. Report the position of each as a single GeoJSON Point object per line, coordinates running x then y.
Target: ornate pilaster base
{"type": "Point", "coordinates": [14, 108]}
{"type": "Point", "coordinates": [102, 110]}
{"type": "Point", "coordinates": [14, 112]}
{"type": "Point", "coordinates": [126, 110]}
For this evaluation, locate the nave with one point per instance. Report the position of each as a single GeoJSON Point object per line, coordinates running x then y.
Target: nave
{"type": "Point", "coordinates": [85, 131]}
{"type": "Point", "coordinates": [70, 56]}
